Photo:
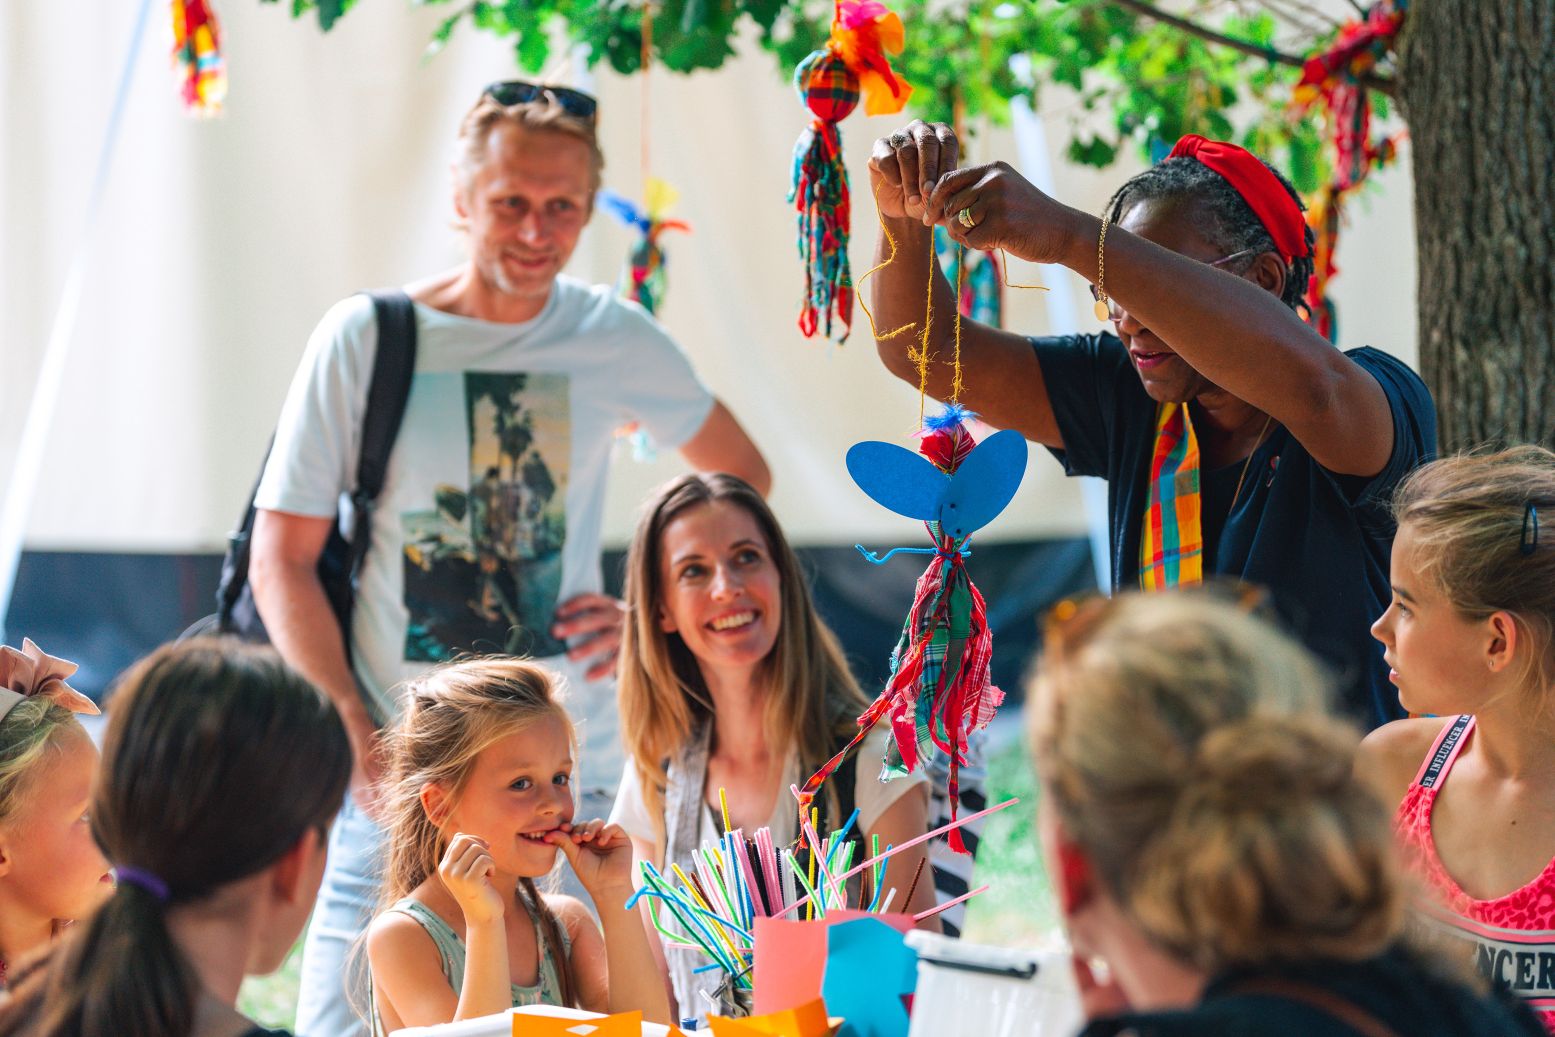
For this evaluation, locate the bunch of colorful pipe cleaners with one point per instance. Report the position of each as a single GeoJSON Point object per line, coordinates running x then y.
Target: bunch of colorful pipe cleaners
{"type": "Point", "coordinates": [736, 880]}
{"type": "Point", "coordinates": [855, 62]}
{"type": "Point", "coordinates": [197, 57]}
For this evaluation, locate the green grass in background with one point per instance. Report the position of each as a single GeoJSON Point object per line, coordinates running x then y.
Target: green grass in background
{"type": "Point", "coordinates": [1018, 911]}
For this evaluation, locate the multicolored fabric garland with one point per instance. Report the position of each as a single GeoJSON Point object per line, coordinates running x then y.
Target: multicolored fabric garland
{"type": "Point", "coordinates": [642, 277]}
{"type": "Point", "coordinates": [853, 64]}
{"type": "Point", "coordinates": [197, 57]}
{"type": "Point", "coordinates": [820, 193]}
{"type": "Point", "coordinates": [1334, 78]}
{"type": "Point", "coordinates": [1171, 539]}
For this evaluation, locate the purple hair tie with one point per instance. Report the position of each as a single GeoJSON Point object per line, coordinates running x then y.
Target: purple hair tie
{"type": "Point", "coordinates": [145, 880]}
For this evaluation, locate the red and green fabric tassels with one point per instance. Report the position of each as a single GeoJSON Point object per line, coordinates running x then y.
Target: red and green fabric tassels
{"type": "Point", "coordinates": [1335, 78]}
{"type": "Point", "coordinates": [831, 81]}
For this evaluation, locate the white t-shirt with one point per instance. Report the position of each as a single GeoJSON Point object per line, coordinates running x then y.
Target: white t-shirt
{"type": "Point", "coordinates": [492, 505]}
{"type": "Point", "coordinates": [871, 796]}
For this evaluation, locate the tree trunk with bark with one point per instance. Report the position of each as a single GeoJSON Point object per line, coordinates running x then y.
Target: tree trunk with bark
{"type": "Point", "coordinates": [1476, 81]}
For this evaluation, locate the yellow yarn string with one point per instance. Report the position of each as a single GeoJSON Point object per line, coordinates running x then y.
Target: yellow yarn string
{"type": "Point", "coordinates": [1004, 275]}
{"type": "Point", "coordinates": [955, 379]}
{"type": "Point", "coordinates": [858, 286]}
{"type": "Point", "coordinates": [919, 354]}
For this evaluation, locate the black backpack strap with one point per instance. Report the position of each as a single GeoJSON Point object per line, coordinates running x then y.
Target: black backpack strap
{"type": "Point", "coordinates": [393, 369]}
{"type": "Point", "coordinates": [234, 564]}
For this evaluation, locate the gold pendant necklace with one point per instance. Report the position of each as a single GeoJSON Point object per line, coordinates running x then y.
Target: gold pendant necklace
{"type": "Point", "coordinates": [1248, 463]}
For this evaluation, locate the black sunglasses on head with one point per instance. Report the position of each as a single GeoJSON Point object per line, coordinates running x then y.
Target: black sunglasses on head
{"type": "Point", "coordinates": [521, 91]}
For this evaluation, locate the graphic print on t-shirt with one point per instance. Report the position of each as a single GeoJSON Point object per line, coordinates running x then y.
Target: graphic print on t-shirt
{"type": "Point", "coordinates": [483, 563]}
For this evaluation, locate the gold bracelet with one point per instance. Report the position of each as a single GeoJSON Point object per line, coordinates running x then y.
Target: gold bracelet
{"type": "Point", "coordinates": [1102, 310]}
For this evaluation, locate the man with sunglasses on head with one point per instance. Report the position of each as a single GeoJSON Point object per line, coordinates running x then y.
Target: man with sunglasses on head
{"type": "Point", "coordinates": [486, 536]}
{"type": "Point", "coordinates": [1234, 438]}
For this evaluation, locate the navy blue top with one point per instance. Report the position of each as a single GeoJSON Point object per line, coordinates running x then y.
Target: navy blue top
{"type": "Point", "coordinates": [1320, 541]}
{"type": "Point", "coordinates": [1407, 995]}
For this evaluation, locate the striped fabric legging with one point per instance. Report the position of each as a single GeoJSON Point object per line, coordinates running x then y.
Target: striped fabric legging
{"type": "Point", "coordinates": [953, 871]}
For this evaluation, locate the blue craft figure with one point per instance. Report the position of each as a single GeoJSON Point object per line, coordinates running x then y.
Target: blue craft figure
{"type": "Point", "coordinates": [939, 691]}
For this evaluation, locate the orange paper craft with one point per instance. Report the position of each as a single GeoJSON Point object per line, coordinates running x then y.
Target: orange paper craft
{"type": "Point", "coordinates": [622, 1024]}
{"type": "Point", "coordinates": [808, 1020]}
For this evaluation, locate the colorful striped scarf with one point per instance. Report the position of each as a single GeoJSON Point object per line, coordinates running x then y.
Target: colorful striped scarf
{"type": "Point", "coordinates": [1171, 542]}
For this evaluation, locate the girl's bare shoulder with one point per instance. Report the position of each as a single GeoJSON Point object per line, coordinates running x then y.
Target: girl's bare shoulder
{"type": "Point", "coordinates": [1390, 756]}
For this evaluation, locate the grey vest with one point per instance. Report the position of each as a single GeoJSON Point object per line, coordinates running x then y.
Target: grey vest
{"type": "Point", "coordinates": [683, 810]}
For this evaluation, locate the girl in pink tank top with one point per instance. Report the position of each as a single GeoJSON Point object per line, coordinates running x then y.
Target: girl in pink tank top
{"type": "Point", "coordinates": [1470, 636]}
{"type": "Point", "coordinates": [1513, 935]}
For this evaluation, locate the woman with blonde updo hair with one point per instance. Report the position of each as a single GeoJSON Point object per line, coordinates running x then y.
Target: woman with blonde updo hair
{"type": "Point", "coordinates": [1219, 868]}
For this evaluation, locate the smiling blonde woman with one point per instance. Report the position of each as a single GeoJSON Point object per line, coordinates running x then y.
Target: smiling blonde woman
{"type": "Point", "coordinates": [731, 682]}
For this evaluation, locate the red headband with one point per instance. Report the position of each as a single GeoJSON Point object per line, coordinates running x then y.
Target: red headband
{"type": "Point", "coordinates": [1259, 188]}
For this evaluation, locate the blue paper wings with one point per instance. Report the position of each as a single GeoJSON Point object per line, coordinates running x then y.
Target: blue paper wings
{"type": "Point", "coordinates": [981, 487]}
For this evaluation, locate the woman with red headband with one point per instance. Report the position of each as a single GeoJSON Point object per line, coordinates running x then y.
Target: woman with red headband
{"type": "Point", "coordinates": [1235, 439]}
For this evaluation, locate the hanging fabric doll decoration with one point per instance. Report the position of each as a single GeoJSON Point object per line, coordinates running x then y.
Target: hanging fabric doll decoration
{"type": "Point", "coordinates": [981, 285]}
{"type": "Point", "coordinates": [642, 278]}
{"type": "Point", "coordinates": [1336, 79]}
{"type": "Point", "coordinates": [197, 57]}
{"type": "Point", "coordinates": [939, 691]}
{"type": "Point", "coordinates": [830, 81]}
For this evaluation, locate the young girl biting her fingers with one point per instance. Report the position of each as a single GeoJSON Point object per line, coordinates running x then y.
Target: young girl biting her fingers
{"type": "Point", "coordinates": [481, 802]}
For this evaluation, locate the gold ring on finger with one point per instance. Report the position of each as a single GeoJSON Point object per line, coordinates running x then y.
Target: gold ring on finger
{"type": "Point", "coordinates": [965, 218]}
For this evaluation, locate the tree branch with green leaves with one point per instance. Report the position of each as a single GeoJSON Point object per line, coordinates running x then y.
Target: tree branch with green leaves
{"type": "Point", "coordinates": [1126, 73]}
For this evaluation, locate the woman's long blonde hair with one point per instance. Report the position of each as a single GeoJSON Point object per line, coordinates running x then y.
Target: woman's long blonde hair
{"type": "Point", "coordinates": [451, 714]}
{"type": "Point", "coordinates": [1478, 541]}
{"type": "Point", "coordinates": [1187, 749]}
{"type": "Point", "coordinates": [812, 698]}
